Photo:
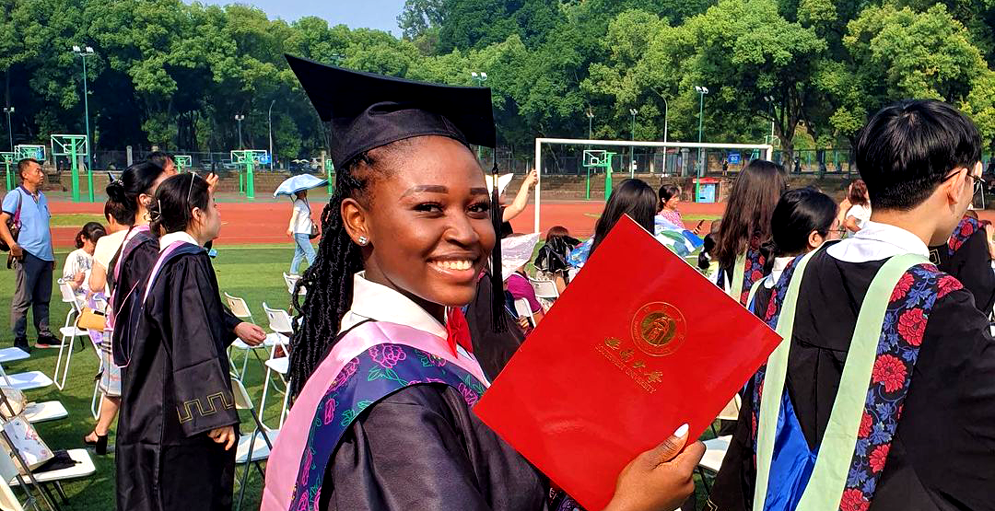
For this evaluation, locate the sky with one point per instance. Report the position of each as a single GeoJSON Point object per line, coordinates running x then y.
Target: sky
{"type": "Point", "coordinates": [379, 14]}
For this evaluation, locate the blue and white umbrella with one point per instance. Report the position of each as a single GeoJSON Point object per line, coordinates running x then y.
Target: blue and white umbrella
{"type": "Point", "coordinates": [299, 183]}
{"type": "Point", "coordinates": [678, 239]}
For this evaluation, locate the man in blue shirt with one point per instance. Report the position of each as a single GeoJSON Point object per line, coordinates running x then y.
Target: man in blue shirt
{"type": "Point", "coordinates": [32, 253]}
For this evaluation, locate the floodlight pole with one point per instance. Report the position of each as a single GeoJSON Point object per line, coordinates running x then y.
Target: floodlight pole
{"type": "Point", "coordinates": [83, 54]}
{"type": "Point", "coordinates": [666, 118]}
{"type": "Point", "coordinates": [272, 157]}
{"type": "Point", "coordinates": [701, 122]}
{"type": "Point", "coordinates": [632, 149]}
{"type": "Point", "coordinates": [10, 129]}
{"type": "Point", "coordinates": [239, 118]}
{"type": "Point", "coordinates": [590, 126]}
{"type": "Point", "coordinates": [480, 78]}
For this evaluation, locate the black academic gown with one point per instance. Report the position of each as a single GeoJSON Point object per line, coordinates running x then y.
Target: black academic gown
{"type": "Point", "coordinates": [943, 454]}
{"type": "Point", "coordinates": [136, 263]}
{"type": "Point", "coordinates": [129, 288]}
{"type": "Point", "coordinates": [175, 391]}
{"type": "Point", "coordinates": [971, 264]}
{"type": "Point", "coordinates": [422, 449]}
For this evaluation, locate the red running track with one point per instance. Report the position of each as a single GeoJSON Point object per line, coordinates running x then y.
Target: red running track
{"type": "Point", "coordinates": [266, 222]}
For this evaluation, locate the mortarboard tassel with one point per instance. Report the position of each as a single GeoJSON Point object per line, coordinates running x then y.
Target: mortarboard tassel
{"type": "Point", "coordinates": [497, 281]}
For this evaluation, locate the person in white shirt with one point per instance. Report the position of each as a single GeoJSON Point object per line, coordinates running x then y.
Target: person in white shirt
{"type": "Point", "coordinates": [859, 212]}
{"type": "Point", "coordinates": [300, 229]}
{"type": "Point", "coordinates": [79, 262]}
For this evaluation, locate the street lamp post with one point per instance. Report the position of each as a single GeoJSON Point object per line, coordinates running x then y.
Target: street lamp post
{"type": "Point", "coordinates": [770, 102]}
{"type": "Point", "coordinates": [239, 118]}
{"type": "Point", "coordinates": [10, 129]}
{"type": "Point", "coordinates": [480, 78]}
{"type": "Point", "coordinates": [83, 54]}
{"type": "Point", "coordinates": [632, 149]}
{"type": "Point", "coordinates": [666, 118]}
{"type": "Point", "coordinates": [702, 91]}
{"type": "Point", "coordinates": [590, 124]}
{"type": "Point", "coordinates": [272, 157]}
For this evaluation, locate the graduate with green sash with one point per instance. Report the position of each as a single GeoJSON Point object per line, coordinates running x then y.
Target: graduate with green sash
{"type": "Point", "coordinates": [882, 396]}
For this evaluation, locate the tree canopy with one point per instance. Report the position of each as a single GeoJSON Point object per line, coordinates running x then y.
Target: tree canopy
{"type": "Point", "coordinates": [175, 75]}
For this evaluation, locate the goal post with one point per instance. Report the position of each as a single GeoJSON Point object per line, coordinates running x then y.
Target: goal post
{"type": "Point", "coordinates": [591, 145]}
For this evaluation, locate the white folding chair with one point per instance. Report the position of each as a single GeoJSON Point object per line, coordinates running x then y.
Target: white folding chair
{"type": "Point", "coordinates": [715, 452]}
{"type": "Point", "coordinates": [280, 323]}
{"type": "Point", "coordinates": [291, 281]}
{"type": "Point", "coordinates": [241, 311]}
{"type": "Point", "coordinates": [45, 411]}
{"type": "Point", "coordinates": [27, 380]}
{"type": "Point", "coordinates": [84, 467]}
{"type": "Point", "coordinates": [69, 333]}
{"type": "Point", "coordinates": [12, 355]}
{"type": "Point", "coordinates": [545, 289]}
{"type": "Point", "coordinates": [729, 413]}
{"type": "Point", "coordinates": [9, 501]}
{"type": "Point", "coordinates": [255, 448]}
{"type": "Point", "coordinates": [523, 309]}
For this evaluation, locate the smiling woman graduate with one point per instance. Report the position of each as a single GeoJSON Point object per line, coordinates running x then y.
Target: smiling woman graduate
{"type": "Point", "coordinates": [382, 367]}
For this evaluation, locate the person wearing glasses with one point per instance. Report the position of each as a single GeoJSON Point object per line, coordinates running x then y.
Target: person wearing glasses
{"type": "Point", "coordinates": [803, 220]}
{"type": "Point", "coordinates": [896, 410]}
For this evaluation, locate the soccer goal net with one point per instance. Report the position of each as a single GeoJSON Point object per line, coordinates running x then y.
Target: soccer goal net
{"type": "Point", "coordinates": [600, 159]}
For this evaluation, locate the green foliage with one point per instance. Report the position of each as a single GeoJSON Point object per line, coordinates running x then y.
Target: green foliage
{"type": "Point", "coordinates": [174, 75]}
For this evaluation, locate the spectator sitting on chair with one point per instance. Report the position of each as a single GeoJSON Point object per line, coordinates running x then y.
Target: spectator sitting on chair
{"type": "Point", "coordinates": [78, 264]}
{"type": "Point", "coordinates": [32, 254]}
{"type": "Point", "coordinates": [516, 252]}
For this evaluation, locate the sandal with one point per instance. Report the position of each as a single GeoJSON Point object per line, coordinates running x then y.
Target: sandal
{"type": "Point", "coordinates": [100, 446]}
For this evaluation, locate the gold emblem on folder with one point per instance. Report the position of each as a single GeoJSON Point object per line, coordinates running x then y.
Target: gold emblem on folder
{"type": "Point", "coordinates": [659, 329]}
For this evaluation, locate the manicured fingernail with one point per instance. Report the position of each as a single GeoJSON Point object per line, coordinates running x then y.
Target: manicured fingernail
{"type": "Point", "coordinates": [681, 431]}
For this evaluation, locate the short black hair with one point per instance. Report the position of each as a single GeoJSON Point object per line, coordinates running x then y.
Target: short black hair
{"type": "Point", "coordinates": [908, 148]}
{"type": "Point", "coordinates": [159, 159]}
{"type": "Point", "coordinates": [24, 164]}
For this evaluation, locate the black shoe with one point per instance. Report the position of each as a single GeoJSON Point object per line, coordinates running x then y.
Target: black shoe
{"type": "Point", "coordinates": [22, 344]}
{"type": "Point", "coordinates": [47, 341]}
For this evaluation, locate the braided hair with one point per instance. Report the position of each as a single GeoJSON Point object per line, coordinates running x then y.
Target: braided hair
{"type": "Point", "coordinates": [329, 281]}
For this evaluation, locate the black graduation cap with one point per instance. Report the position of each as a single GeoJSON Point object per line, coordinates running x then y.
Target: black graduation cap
{"type": "Point", "coordinates": [367, 110]}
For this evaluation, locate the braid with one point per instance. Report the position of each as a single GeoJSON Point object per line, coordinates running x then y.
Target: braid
{"type": "Point", "coordinates": [329, 281]}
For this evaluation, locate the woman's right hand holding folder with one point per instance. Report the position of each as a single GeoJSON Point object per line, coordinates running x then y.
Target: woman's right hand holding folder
{"type": "Point", "coordinates": [660, 479]}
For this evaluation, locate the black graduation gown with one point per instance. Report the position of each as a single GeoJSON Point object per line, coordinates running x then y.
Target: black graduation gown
{"type": "Point", "coordinates": [492, 349]}
{"type": "Point", "coordinates": [943, 454]}
{"type": "Point", "coordinates": [971, 264]}
{"type": "Point", "coordinates": [135, 269]}
{"type": "Point", "coordinates": [136, 264]}
{"type": "Point", "coordinates": [422, 449]}
{"type": "Point", "coordinates": [177, 389]}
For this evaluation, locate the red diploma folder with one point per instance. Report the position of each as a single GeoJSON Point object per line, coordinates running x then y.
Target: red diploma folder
{"type": "Point", "coordinates": [638, 344]}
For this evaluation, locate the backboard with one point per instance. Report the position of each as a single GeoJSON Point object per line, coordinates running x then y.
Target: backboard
{"type": "Point", "coordinates": [22, 151]}
{"type": "Point", "coordinates": [259, 156]}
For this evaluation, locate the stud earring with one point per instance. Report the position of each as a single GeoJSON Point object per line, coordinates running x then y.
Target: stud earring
{"type": "Point", "coordinates": [363, 241]}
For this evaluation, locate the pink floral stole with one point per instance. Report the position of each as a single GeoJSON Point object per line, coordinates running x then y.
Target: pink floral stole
{"type": "Point", "coordinates": [372, 361]}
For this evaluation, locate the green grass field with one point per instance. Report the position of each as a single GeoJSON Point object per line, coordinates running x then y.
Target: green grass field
{"type": "Point", "coordinates": [251, 272]}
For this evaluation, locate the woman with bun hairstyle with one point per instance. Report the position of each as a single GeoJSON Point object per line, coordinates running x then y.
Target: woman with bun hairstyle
{"type": "Point", "coordinates": [132, 195]}
{"type": "Point", "coordinates": [176, 436]}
